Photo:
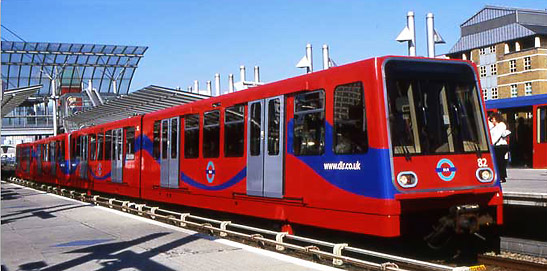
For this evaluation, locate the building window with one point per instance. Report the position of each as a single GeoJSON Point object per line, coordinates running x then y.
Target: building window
{"type": "Point", "coordinates": [494, 69]}
{"type": "Point", "coordinates": [492, 49]}
{"type": "Point", "coordinates": [211, 134]}
{"type": "Point", "coordinates": [485, 94]}
{"type": "Point", "coordinates": [528, 89]}
{"type": "Point", "coordinates": [309, 123]}
{"type": "Point", "coordinates": [350, 133]}
{"type": "Point", "coordinates": [482, 70]}
{"type": "Point", "coordinates": [191, 136]}
{"type": "Point", "coordinates": [512, 65]}
{"type": "Point", "coordinates": [234, 130]}
{"type": "Point", "coordinates": [527, 63]}
{"type": "Point", "coordinates": [482, 51]}
{"type": "Point", "coordinates": [514, 92]}
{"type": "Point", "coordinates": [494, 93]}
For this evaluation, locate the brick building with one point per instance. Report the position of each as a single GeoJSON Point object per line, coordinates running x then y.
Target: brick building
{"type": "Point", "coordinates": [509, 47]}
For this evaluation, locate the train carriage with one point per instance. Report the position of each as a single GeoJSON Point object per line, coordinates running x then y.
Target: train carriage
{"type": "Point", "coordinates": [106, 157]}
{"type": "Point", "coordinates": [356, 148]}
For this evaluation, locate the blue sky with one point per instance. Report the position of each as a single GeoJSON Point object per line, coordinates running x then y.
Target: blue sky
{"type": "Point", "coordinates": [192, 40]}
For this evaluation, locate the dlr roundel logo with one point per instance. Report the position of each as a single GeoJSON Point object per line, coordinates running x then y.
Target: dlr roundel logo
{"type": "Point", "coordinates": [446, 170]}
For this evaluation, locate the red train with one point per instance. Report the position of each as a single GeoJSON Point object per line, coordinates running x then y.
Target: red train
{"type": "Point", "coordinates": [381, 147]}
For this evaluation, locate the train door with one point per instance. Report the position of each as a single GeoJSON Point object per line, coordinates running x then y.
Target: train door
{"type": "Point", "coordinates": [266, 134]}
{"type": "Point", "coordinates": [169, 154]}
{"type": "Point", "coordinates": [117, 156]}
{"type": "Point", "coordinates": [84, 156]}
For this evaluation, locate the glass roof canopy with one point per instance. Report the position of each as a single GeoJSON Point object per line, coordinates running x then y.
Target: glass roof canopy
{"type": "Point", "coordinates": [72, 65]}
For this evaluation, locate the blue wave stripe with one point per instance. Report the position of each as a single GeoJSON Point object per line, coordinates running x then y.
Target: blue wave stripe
{"type": "Point", "coordinates": [231, 182]}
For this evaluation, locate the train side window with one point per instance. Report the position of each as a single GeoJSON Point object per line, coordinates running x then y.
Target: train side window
{"type": "Point", "coordinates": [174, 139]}
{"type": "Point", "coordinates": [108, 145]}
{"type": "Point", "coordinates": [255, 130]}
{"type": "Point", "coordinates": [100, 146]}
{"type": "Point", "coordinates": [92, 147]}
{"type": "Point", "coordinates": [234, 125]}
{"type": "Point", "coordinates": [350, 131]}
{"type": "Point", "coordinates": [191, 136]}
{"type": "Point", "coordinates": [211, 134]}
{"type": "Point", "coordinates": [61, 153]}
{"type": "Point", "coordinates": [156, 146]}
{"type": "Point", "coordinates": [130, 143]}
{"type": "Point", "coordinates": [164, 138]}
{"type": "Point", "coordinates": [542, 124]}
{"type": "Point", "coordinates": [309, 123]}
{"type": "Point", "coordinates": [45, 147]}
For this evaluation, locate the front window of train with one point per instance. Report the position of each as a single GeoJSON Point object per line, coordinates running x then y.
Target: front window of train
{"type": "Point", "coordinates": [434, 108]}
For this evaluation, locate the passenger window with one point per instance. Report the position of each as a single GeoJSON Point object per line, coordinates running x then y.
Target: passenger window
{"type": "Point", "coordinates": [164, 138]}
{"type": "Point", "coordinates": [108, 145]}
{"type": "Point", "coordinates": [211, 134]}
{"type": "Point", "coordinates": [542, 124]}
{"type": "Point", "coordinates": [234, 131]}
{"type": "Point", "coordinates": [191, 136]}
{"type": "Point", "coordinates": [350, 134]}
{"type": "Point", "coordinates": [255, 122]}
{"type": "Point", "coordinates": [309, 123]}
{"type": "Point", "coordinates": [61, 155]}
{"type": "Point", "coordinates": [93, 147]}
{"type": "Point", "coordinates": [273, 126]}
{"type": "Point", "coordinates": [100, 146]}
{"type": "Point", "coordinates": [174, 139]}
{"type": "Point", "coordinates": [156, 147]}
{"type": "Point", "coordinates": [130, 143]}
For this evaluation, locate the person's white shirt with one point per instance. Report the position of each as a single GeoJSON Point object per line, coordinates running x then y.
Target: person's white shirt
{"type": "Point", "coordinates": [498, 132]}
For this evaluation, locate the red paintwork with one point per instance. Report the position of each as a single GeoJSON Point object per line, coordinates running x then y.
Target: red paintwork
{"type": "Point", "coordinates": [308, 198]}
{"type": "Point", "coordinates": [540, 149]}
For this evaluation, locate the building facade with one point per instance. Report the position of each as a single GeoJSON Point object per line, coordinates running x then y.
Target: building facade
{"type": "Point", "coordinates": [509, 47]}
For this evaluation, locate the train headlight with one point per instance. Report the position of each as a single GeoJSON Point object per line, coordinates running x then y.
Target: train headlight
{"type": "Point", "coordinates": [484, 175]}
{"type": "Point", "coordinates": [407, 179]}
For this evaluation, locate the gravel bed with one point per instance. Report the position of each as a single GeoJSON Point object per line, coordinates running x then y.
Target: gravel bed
{"type": "Point", "coordinates": [519, 257]}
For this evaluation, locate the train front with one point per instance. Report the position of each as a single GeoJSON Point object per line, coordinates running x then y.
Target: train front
{"type": "Point", "coordinates": [443, 167]}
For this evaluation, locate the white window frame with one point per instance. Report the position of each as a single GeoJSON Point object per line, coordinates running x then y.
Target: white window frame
{"type": "Point", "coordinates": [514, 91]}
{"type": "Point", "coordinates": [512, 66]}
{"type": "Point", "coordinates": [494, 69]}
{"type": "Point", "coordinates": [494, 93]}
{"type": "Point", "coordinates": [527, 63]}
{"type": "Point", "coordinates": [527, 88]}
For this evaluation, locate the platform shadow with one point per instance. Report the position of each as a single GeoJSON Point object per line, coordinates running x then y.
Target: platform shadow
{"type": "Point", "coordinates": [117, 256]}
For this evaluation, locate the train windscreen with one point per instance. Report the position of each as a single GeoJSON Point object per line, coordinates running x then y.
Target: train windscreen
{"type": "Point", "coordinates": [434, 108]}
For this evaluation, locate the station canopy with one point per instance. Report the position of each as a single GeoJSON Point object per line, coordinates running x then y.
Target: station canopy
{"type": "Point", "coordinates": [71, 65]}
{"type": "Point", "coordinates": [146, 100]}
{"type": "Point", "coordinates": [12, 98]}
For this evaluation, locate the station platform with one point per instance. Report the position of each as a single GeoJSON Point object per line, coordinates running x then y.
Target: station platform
{"type": "Point", "coordinates": [41, 231]}
{"type": "Point", "coordinates": [525, 187]}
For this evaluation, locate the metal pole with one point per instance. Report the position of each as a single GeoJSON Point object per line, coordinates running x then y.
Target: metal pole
{"type": "Point", "coordinates": [230, 83]}
{"type": "Point", "coordinates": [209, 88]}
{"type": "Point", "coordinates": [430, 35]}
{"type": "Point", "coordinates": [242, 73]}
{"type": "Point", "coordinates": [196, 86]}
{"type": "Point", "coordinates": [411, 27]}
{"type": "Point", "coordinates": [54, 99]}
{"type": "Point", "coordinates": [217, 84]}
{"type": "Point", "coordinates": [325, 57]}
{"type": "Point", "coordinates": [257, 74]}
{"type": "Point", "coordinates": [310, 57]}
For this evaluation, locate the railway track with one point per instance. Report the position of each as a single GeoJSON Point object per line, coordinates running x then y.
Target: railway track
{"type": "Point", "coordinates": [334, 254]}
{"type": "Point", "coordinates": [499, 263]}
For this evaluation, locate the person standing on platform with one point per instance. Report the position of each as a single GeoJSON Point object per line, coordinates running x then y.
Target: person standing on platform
{"type": "Point", "coordinates": [499, 134]}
